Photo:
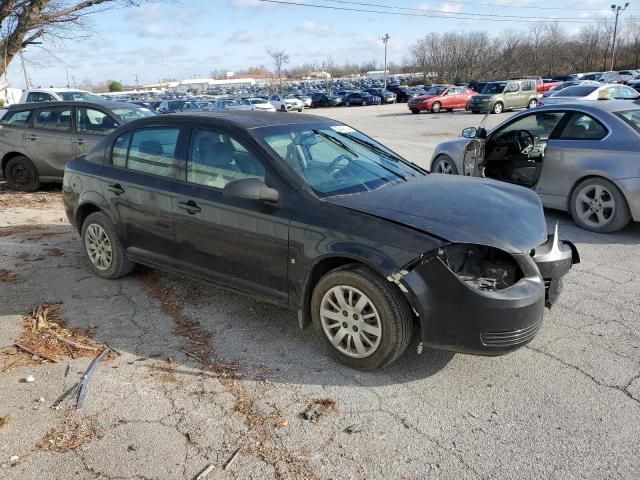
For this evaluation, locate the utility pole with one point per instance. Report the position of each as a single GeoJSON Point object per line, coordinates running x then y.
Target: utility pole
{"type": "Point", "coordinates": [27, 82]}
{"type": "Point", "coordinates": [617, 9]}
{"type": "Point", "coordinates": [385, 39]}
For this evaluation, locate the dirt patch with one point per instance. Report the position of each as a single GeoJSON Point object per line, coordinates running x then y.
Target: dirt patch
{"type": "Point", "coordinates": [70, 434]}
{"type": "Point", "coordinates": [44, 199]}
{"type": "Point", "coordinates": [6, 276]}
{"type": "Point", "coordinates": [33, 232]}
{"type": "Point", "coordinates": [173, 297]}
{"type": "Point", "coordinates": [45, 338]}
{"type": "Point", "coordinates": [319, 408]}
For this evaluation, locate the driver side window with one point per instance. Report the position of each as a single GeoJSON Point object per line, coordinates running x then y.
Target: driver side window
{"type": "Point", "coordinates": [539, 124]}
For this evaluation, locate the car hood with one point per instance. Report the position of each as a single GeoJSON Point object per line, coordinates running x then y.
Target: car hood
{"type": "Point", "coordinates": [459, 210]}
{"type": "Point", "coordinates": [420, 98]}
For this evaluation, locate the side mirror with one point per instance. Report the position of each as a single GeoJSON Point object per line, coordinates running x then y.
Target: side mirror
{"type": "Point", "coordinates": [470, 132]}
{"type": "Point", "coordinates": [250, 189]}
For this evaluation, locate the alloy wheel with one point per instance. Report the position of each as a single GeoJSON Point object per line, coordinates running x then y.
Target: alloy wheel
{"type": "Point", "coordinates": [350, 321]}
{"type": "Point", "coordinates": [98, 247]}
{"type": "Point", "coordinates": [443, 166]}
{"type": "Point", "coordinates": [595, 206]}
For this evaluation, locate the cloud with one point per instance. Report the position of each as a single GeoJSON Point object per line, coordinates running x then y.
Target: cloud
{"type": "Point", "coordinates": [247, 36]}
{"type": "Point", "coordinates": [157, 31]}
{"type": "Point", "coordinates": [150, 12]}
{"type": "Point", "coordinates": [309, 26]}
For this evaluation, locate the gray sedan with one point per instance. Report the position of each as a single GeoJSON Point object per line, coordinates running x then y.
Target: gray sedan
{"type": "Point", "coordinates": [581, 158]}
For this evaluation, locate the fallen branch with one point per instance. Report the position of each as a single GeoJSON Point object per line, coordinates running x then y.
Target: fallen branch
{"type": "Point", "coordinates": [79, 346]}
{"type": "Point", "coordinates": [232, 458]}
{"type": "Point", "coordinates": [189, 355]}
{"type": "Point", "coordinates": [41, 355]}
{"type": "Point", "coordinates": [82, 390]}
{"type": "Point", "coordinates": [205, 472]}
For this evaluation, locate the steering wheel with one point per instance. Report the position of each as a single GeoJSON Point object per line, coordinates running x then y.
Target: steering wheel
{"type": "Point", "coordinates": [524, 141]}
{"type": "Point", "coordinates": [339, 163]}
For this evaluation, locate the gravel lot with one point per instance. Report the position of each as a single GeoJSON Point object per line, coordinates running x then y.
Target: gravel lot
{"type": "Point", "coordinates": [201, 373]}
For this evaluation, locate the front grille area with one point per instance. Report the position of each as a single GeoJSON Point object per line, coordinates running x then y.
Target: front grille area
{"type": "Point", "coordinates": [509, 338]}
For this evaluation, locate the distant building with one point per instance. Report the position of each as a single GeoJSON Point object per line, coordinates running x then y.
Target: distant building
{"type": "Point", "coordinates": [377, 74]}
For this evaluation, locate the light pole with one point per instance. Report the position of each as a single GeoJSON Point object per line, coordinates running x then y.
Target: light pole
{"type": "Point", "coordinates": [24, 68]}
{"type": "Point", "coordinates": [617, 9]}
{"type": "Point", "coordinates": [385, 39]}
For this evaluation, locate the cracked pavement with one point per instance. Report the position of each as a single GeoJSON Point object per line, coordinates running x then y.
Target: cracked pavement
{"type": "Point", "coordinates": [202, 372]}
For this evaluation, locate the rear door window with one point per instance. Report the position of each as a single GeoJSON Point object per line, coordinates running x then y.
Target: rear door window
{"type": "Point", "coordinates": [55, 118]}
{"type": "Point", "coordinates": [19, 118]}
{"type": "Point", "coordinates": [39, 97]}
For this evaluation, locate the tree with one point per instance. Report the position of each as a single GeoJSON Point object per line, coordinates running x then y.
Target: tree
{"type": "Point", "coordinates": [25, 21]}
{"type": "Point", "coordinates": [279, 58]}
{"type": "Point", "coordinates": [114, 86]}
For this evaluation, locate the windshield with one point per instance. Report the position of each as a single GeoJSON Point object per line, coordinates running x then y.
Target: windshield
{"type": "Point", "coordinates": [128, 114]}
{"type": "Point", "coordinates": [575, 91]}
{"type": "Point", "coordinates": [494, 88]}
{"type": "Point", "coordinates": [631, 117]}
{"type": "Point", "coordinates": [336, 159]}
{"type": "Point", "coordinates": [80, 97]}
{"type": "Point", "coordinates": [436, 91]}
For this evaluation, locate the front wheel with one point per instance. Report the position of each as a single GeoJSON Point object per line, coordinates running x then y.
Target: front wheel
{"type": "Point", "coordinates": [599, 206]}
{"type": "Point", "coordinates": [364, 103]}
{"type": "Point", "coordinates": [435, 108]}
{"type": "Point", "coordinates": [361, 318]}
{"type": "Point", "coordinates": [347, 103]}
{"type": "Point", "coordinates": [532, 104]}
{"type": "Point", "coordinates": [283, 108]}
{"type": "Point", "coordinates": [103, 247]}
{"type": "Point", "coordinates": [22, 174]}
{"type": "Point", "coordinates": [444, 164]}
{"type": "Point", "coordinates": [498, 107]}
{"type": "Point", "coordinates": [415, 111]}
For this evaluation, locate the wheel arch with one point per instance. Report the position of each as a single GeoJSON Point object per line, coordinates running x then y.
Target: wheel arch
{"type": "Point", "coordinates": [84, 211]}
{"type": "Point", "coordinates": [8, 156]}
{"type": "Point", "coordinates": [588, 176]}
{"type": "Point", "coordinates": [321, 267]}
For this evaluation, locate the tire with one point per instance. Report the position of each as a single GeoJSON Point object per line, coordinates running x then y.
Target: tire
{"type": "Point", "coordinates": [532, 104]}
{"type": "Point", "coordinates": [364, 103]}
{"type": "Point", "coordinates": [347, 103]}
{"type": "Point", "coordinates": [119, 264]}
{"type": "Point", "coordinates": [283, 108]}
{"type": "Point", "coordinates": [445, 165]}
{"type": "Point", "coordinates": [475, 111]}
{"type": "Point", "coordinates": [415, 111]}
{"type": "Point", "coordinates": [300, 110]}
{"type": "Point", "coordinates": [498, 108]}
{"type": "Point", "coordinates": [589, 206]}
{"type": "Point", "coordinates": [436, 107]}
{"type": "Point", "coordinates": [22, 174]}
{"type": "Point", "coordinates": [392, 312]}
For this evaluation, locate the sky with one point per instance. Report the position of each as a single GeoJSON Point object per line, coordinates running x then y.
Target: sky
{"type": "Point", "coordinates": [191, 38]}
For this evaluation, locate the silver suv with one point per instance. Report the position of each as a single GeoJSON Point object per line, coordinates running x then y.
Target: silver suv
{"type": "Point", "coordinates": [37, 139]}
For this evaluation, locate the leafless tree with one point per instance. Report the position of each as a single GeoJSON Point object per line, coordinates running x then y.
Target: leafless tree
{"type": "Point", "coordinates": [280, 58]}
{"type": "Point", "coordinates": [26, 21]}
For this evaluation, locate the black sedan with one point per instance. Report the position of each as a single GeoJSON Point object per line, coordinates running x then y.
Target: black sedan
{"type": "Point", "coordinates": [360, 98]}
{"type": "Point", "coordinates": [315, 216]}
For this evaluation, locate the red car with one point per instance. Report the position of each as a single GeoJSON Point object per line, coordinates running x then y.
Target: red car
{"type": "Point", "coordinates": [441, 97]}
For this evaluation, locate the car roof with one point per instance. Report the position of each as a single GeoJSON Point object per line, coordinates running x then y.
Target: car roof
{"type": "Point", "coordinates": [56, 90]}
{"type": "Point", "coordinates": [105, 104]}
{"type": "Point", "coordinates": [243, 119]}
{"type": "Point", "coordinates": [594, 105]}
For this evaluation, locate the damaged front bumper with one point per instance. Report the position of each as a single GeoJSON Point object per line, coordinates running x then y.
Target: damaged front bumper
{"type": "Point", "coordinates": [472, 315]}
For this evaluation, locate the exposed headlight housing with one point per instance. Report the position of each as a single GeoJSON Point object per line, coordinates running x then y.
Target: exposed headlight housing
{"type": "Point", "coordinates": [481, 267]}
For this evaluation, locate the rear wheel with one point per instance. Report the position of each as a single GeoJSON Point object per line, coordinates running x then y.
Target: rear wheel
{"type": "Point", "coordinates": [435, 108]}
{"type": "Point", "coordinates": [103, 247]}
{"type": "Point", "coordinates": [599, 206]}
{"type": "Point", "coordinates": [22, 174]}
{"type": "Point", "coordinates": [347, 103]}
{"type": "Point", "coordinates": [283, 108]}
{"type": "Point", "coordinates": [361, 318]}
{"type": "Point", "coordinates": [532, 104]}
{"type": "Point", "coordinates": [498, 107]}
{"type": "Point", "coordinates": [364, 103]}
{"type": "Point", "coordinates": [444, 164]}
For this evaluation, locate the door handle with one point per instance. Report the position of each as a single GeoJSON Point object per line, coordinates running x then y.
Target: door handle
{"type": "Point", "coordinates": [116, 188]}
{"type": "Point", "coordinates": [32, 137]}
{"type": "Point", "coordinates": [191, 207]}
{"type": "Point", "coordinates": [80, 141]}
